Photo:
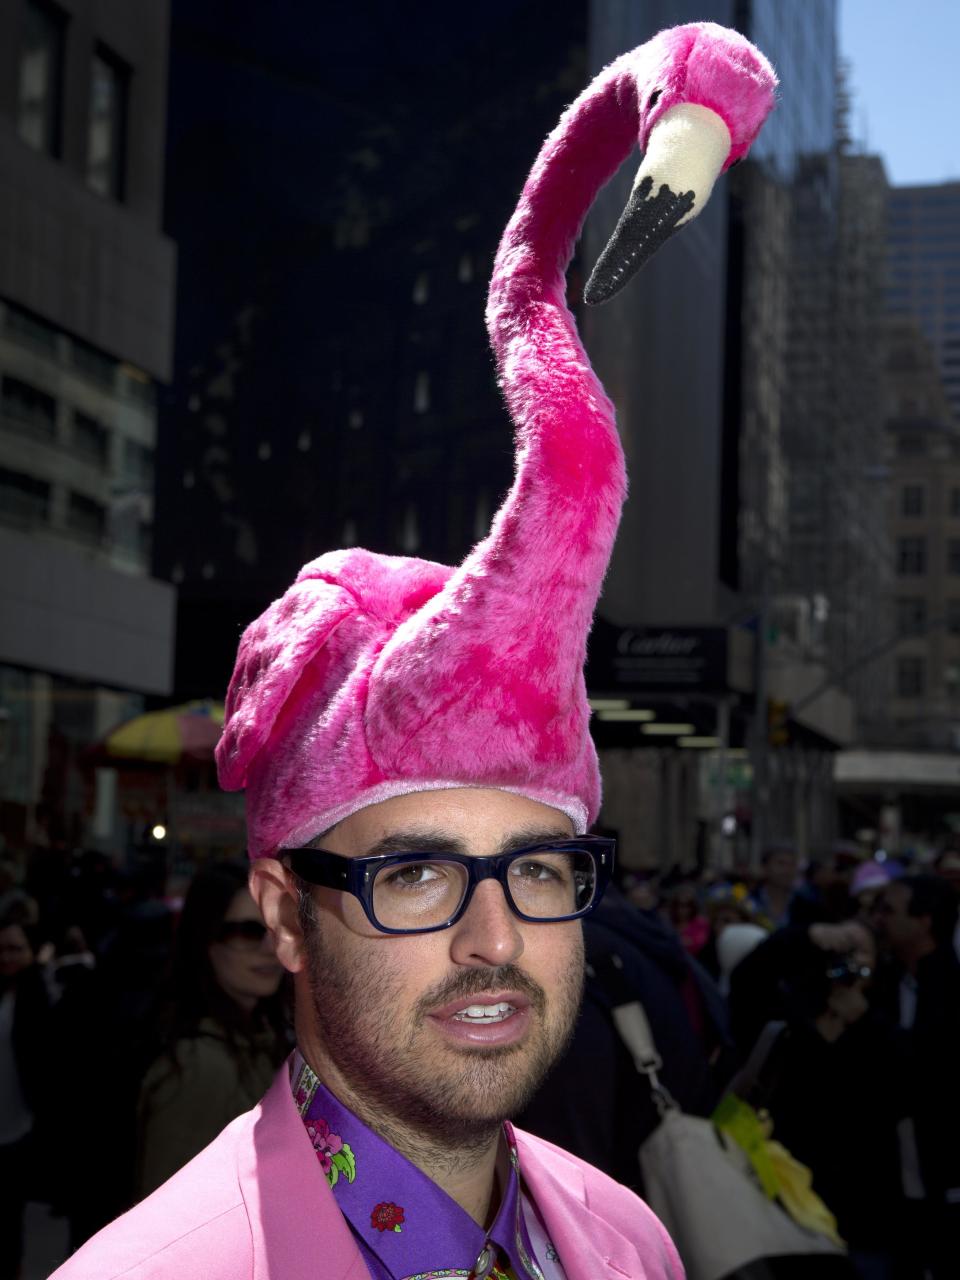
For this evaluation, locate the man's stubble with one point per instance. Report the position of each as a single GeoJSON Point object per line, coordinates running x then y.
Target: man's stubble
{"type": "Point", "coordinates": [403, 1081]}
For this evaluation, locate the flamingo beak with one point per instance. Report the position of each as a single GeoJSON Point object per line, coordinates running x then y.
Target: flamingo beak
{"type": "Point", "coordinates": [686, 150]}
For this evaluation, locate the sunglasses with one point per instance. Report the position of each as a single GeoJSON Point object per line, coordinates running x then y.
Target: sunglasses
{"type": "Point", "coordinates": [244, 932]}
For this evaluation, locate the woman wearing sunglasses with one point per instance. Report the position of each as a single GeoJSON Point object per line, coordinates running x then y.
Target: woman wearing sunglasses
{"type": "Point", "coordinates": [223, 1030]}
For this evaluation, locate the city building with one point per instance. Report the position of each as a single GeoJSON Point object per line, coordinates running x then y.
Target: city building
{"type": "Point", "coordinates": [901, 780]}
{"type": "Point", "coordinates": [86, 314]}
{"type": "Point", "coordinates": [923, 459]}
{"type": "Point", "coordinates": [336, 219]}
{"type": "Point", "coordinates": [750, 455]}
{"type": "Point", "coordinates": [924, 272]}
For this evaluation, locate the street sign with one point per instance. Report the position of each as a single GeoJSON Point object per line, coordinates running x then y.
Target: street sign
{"type": "Point", "coordinates": [667, 659]}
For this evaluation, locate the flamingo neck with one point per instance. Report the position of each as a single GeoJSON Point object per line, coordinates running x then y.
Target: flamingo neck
{"type": "Point", "coordinates": [592, 139]}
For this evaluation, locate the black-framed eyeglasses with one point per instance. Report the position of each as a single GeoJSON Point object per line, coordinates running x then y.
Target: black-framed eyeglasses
{"type": "Point", "coordinates": [424, 892]}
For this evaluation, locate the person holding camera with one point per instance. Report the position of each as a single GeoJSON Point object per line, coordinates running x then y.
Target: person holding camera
{"type": "Point", "coordinates": [915, 919]}
{"type": "Point", "coordinates": [833, 1081]}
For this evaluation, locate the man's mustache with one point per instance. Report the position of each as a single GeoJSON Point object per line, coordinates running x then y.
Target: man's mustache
{"type": "Point", "coordinates": [472, 982]}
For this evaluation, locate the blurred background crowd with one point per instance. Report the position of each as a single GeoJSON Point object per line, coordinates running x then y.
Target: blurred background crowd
{"type": "Point", "coordinates": [137, 1022]}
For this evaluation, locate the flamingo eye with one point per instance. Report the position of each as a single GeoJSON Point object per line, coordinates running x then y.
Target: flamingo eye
{"type": "Point", "coordinates": [654, 98]}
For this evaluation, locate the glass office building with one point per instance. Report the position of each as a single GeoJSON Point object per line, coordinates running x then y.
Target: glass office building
{"type": "Point", "coordinates": [924, 272]}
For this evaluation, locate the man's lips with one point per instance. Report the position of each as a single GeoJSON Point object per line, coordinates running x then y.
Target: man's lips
{"type": "Point", "coordinates": [508, 1022]}
{"type": "Point", "coordinates": [519, 1003]}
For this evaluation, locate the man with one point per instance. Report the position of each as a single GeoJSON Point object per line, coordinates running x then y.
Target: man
{"type": "Point", "coordinates": [413, 742]}
{"type": "Point", "coordinates": [915, 918]}
{"type": "Point", "coordinates": [774, 896]}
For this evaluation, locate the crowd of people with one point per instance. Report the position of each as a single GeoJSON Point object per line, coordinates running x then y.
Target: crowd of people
{"type": "Point", "coordinates": [152, 1022]}
{"type": "Point", "coordinates": [134, 1027]}
{"type": "Point", "coordinates": [846, 970]}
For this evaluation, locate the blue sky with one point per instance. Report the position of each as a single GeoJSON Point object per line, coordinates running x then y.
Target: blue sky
{"type": "Point", "coordinates": [906, 81]}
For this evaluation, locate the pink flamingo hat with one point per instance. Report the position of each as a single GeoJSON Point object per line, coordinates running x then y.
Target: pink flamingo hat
{"type": "Point", "coordinates": [374, 675]}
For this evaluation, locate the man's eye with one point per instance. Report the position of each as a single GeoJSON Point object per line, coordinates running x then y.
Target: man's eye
{"type": "Point", "coordinates": [529, 869]}
{"type": "Point", "coordinates": [413, 873]}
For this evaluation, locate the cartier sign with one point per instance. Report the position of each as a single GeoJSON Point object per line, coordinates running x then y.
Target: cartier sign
{"type": "Point", "coordinates": [663, 659]}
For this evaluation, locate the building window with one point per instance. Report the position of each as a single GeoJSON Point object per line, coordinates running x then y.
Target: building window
{"type": "Point", "coordinates": [910, 444]}
{"type": "Point", "coordinates": [421, 393]}
{"type": "Point", "coordinates": [955, 502]}
{"type": "Point", "coordinates": [911, 616]}
{"type": "Point", "coordinates": [953, 617]}
{"type": "Point", "coordinates": [24, 501]}
{"type": "Point", "coordinates": [138, 466]}
{"type": "Point", "coordinates": [29, 330]}
{"type": "Point", "coordinates": [911, 556]}
{"type": "Point", "coordinates": [28, 410]}
{"type": "Point", "coordinates": [911, 500]}
{"type": "Point", "coordinates": [481, 515]}
{"type": "Point", "coordinates": [953, 555]}
{"type": "Point", "coordinates": [91, 440]}
{"type": "Point", "coordinates": [40, 98]}
{"type": "Point", "coordinates": [107, 127]}
{"type": "Point", "coordinates": [410, 530]}
{"type": "Point", "coordinates": [421, 288]}
{"type": "Point", "coordinates": [911, 677]}
{"type": "Point", "coordinates": [86, 519]}
{"type": "Point", "coordinates": [93, 364]}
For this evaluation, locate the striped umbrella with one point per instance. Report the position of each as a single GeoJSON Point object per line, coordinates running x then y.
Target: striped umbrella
{"type": "Point", "coordinates": [190, 731]}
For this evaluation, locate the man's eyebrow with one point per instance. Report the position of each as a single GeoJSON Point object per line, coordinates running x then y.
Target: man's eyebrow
{"type": "Point", "coordinates": [416, 842]}
{"type": "Point", "coordinates": [533, 836]}
{"type": "Point", "coordinates": [439, 842]}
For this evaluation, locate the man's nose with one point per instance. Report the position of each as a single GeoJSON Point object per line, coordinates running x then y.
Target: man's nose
{"type": "Point", "coordinates": [488, 933]}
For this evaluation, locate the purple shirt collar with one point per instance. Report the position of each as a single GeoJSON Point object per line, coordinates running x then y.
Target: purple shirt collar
{"type": "Point", "coordinates": [405, 1225]}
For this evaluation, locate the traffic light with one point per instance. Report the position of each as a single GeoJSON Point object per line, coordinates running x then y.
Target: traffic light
{"type": "Point", "coordinates": [778, 727]}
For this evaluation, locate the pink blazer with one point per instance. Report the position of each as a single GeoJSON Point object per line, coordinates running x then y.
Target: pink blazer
{"type": "Point", "coordinates": [252, 1206]}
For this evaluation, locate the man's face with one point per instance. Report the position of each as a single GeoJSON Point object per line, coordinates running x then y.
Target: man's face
{"type": "Point", "coordinates": [16, 954]}
{"type": "Point", "coordinates": [386, 1021]}
{"type": "Point", "coordinates": [895, 927]}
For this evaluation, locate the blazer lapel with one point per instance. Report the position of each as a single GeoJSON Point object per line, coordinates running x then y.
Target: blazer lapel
{"type": "Point", "coordinates": [588, 1246]}
{"type": "Point", "coordinates": [297, 1231]}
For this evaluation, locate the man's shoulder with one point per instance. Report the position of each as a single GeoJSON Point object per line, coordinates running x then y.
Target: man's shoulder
{"type": "Point", "coordinates": [597, 1191]}
{"type": "Point", "coordinates": [194, 1226]}
{"type": "Point", "coordinates": [579, 1202]}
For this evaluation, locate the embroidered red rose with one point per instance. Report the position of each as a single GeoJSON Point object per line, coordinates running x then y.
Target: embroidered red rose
{"type": "Point", "coordinates": [387, 1217]}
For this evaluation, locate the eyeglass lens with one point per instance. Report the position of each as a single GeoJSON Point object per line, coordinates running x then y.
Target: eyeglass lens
{"type": "Point", "coordinates": [421, 895]}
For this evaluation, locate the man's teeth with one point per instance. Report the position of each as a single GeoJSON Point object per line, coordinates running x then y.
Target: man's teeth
{"type": "Point", "coordinates": [485, 1012]}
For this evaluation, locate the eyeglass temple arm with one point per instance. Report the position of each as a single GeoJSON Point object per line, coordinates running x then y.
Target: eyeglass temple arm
{"type": "Point", "coordinates": [333, 869]}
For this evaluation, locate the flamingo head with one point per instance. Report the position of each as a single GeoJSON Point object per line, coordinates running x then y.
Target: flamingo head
{"type": "Point", "coordinates": [702, 94]}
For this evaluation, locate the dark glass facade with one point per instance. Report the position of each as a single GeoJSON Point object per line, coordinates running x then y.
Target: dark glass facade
{"type": "Point", "coordinates": [338, 180]}
{"type": "Point", "coordinates": [801, 42]}
{"type": "Point", "coordinates": [923, 273]}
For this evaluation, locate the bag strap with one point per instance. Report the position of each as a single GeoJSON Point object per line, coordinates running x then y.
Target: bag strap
{"type": "Point", "coordinates": [633, 1027]}
{"type": "Point", "coordinates": [750, 1075]}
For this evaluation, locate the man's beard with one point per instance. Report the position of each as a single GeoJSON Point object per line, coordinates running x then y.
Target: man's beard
{"type": "Point", "coordinates": [401, 1077]}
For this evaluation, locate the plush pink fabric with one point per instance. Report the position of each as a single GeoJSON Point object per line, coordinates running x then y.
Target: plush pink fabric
{"type": "Point", "coordinates": [254, 1205]}
{"type": "Point", "coordinates": [375, 675]}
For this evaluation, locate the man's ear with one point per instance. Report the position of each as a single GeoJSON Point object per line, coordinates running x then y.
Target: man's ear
{"type": "Point", "coordinates": [273, 889]}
